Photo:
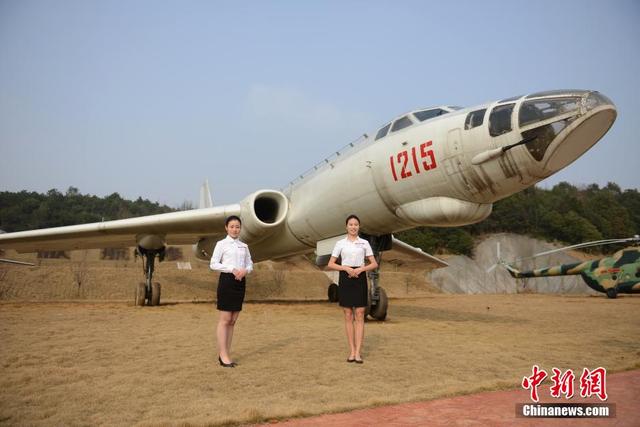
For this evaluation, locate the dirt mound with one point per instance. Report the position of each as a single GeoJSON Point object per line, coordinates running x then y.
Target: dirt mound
{"type": "Point", "coordinates": [469, 275]}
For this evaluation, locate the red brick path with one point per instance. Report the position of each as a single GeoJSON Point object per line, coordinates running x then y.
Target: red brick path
{"type": "Point", "coordinates": [489, 409]}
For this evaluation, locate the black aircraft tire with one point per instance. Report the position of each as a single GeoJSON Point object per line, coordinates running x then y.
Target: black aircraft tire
{"type": "Point", "coordinates": [155, 293]}
{"type": "Point", "coordinates": [332, 292]}
{"type": "Point", "coordinates": [140, 294]}
{"type": "Point", "coordinates": [612, 293]}
{"type": "Point", "coordinates": [379, 311]}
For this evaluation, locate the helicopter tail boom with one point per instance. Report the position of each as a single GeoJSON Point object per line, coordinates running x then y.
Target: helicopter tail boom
{"type": "Point", "coordinates": [556, 270]}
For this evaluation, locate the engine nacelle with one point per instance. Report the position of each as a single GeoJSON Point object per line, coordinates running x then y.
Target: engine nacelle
{"type": "Point", "coordinates": [262, 213]}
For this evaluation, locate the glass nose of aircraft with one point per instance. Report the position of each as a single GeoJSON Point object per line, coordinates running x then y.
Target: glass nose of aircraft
{"type": "Point", "coordinates": [561, 125]}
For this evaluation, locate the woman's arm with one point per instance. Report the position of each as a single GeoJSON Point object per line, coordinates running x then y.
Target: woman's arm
{"type": "Point", "coordinates": [373, 264]}
{"type": "Point", "coordinates": [333, 266]}
{"type": "Point", "coordinates": [249, 266]}
{"type": "Point", "coordinates": [216, 259]}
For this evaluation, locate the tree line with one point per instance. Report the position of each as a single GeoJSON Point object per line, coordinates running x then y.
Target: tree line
{"type": "Point", "coordinates": [27, 210]}
{"type": "Point", "coordinates": [565, 213]}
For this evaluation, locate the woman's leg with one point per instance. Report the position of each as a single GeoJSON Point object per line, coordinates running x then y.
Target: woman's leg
{"type": "Point", "coordinates": [232, 324]}
{"type": "Point", "coordinates": [222, 334]}
{"type": "Point", "coordinates": [348, 326]}
{"type": "Point", "coordinates": [359, 331]}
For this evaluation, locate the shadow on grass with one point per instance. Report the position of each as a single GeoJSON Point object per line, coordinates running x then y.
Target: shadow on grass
{"type": "Point", "coordinates": [271, 346]}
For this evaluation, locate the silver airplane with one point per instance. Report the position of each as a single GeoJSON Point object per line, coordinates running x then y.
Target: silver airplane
{"type": "Point", "coordinates": [441, 167]}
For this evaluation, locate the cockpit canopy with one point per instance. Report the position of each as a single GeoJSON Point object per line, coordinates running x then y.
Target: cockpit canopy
{"type": "Point", "coordinates": [413, 118]}
{"type": "Point", "coordinates": [541, 116]}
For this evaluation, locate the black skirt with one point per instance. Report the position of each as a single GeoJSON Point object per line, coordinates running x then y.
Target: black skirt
{"type": "Point", "coordinates": [230, 293]}
{"type": "Point", "coordinates": [353, 290]}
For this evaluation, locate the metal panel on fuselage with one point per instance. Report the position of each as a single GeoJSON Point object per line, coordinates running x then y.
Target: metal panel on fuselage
{"type": "Point", "coordinates": [408, 165]}
{"type": "Point", "coordinates": [344, 187]}
{"type": "Point", "coordinates": [372, 183]}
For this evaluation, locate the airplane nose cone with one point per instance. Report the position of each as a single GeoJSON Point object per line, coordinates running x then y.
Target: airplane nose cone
{"type": "Point", "coordinates": [563, 125]}
{"type": "Point", "coordinates": [584, 132]}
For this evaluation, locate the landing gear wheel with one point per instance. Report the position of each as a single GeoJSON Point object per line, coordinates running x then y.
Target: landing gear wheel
{"type": "Point", "coordinates": [612, 293]}
{"type": "Point", "coordinates": [140, 294]}
{"type": "Point", "coordinates": [332, 292]}
{"type": "Point", "coordinates": [155, 293]}
{"type": "Point", "coordinates": [379, 311]}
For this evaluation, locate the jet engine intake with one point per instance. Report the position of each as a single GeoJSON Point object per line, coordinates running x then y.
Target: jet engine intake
{"type": "Point", "coordinates": [262, 213]}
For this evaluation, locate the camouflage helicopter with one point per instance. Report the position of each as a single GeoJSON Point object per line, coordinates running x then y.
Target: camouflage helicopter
{"type": "Point", "coordinates": [619, 273]}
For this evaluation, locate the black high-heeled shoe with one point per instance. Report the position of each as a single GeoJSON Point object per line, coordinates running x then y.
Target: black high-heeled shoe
{"type": "Point", "coordinates": [226, 365]}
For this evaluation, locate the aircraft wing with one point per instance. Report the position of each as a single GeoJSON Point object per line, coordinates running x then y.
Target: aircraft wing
{"type": "Point", "coordinates": [324, 248]}
{"type": "Point", "coordinates": [406, 248]}
{"type": "Point", "coordinates": [176, 228]}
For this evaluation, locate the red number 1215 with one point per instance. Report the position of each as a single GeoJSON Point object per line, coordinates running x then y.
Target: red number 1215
{"type": "Point", "coordinates": [427, 161]}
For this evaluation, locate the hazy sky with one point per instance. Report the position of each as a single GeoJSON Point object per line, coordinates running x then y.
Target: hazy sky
{"type": "Point", "coordinates": [149, 98]}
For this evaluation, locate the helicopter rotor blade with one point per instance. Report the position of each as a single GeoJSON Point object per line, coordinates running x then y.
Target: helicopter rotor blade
{"type": "Point", "coordinates": [499, 260]}
{"type": "Point", "coordinates": [13, 261]}
{"type": "Point", "coordinates": [582, 245]}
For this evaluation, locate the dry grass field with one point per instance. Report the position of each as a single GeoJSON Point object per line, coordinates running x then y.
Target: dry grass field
{"type": "Point", "coordinates": [291, 279]}
{"type": "Point", "coordinates": [90, 363]}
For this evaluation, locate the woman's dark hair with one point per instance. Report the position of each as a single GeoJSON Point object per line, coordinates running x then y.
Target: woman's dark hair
{"type": "Point", "coordinates": [233, 218]}
{"type": "Point", "coordinates": [352, 216]}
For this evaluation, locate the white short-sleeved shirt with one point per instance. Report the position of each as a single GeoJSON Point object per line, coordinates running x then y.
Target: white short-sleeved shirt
{"type": "Point", "coordinates": [352, 253]}
{"type": "Point", "coordinates": [231, 253]}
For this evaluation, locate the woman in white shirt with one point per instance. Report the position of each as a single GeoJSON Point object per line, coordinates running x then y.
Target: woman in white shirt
{"type": "Point", "coordinates": [352, 292]}
{"type": "Point", "coordinates": [232, 258]}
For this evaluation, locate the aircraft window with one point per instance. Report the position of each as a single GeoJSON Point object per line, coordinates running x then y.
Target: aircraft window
{"type": "Point", "coordinates": [557, 92]}
{"type": "Point", "coordinates": [543, 109]}
{"type": "Point", "coordinates": [455, 107]}
{"type": "Point", "coordinates": [383, 131]}
{"type": "Point", "coordinates": [595, 99]}
{"type": "Point", "coordinates": [401, 123]}
{"type": "Point", "coordinates": [513, 98]}
{"type": "Point", "coordinates": [500, 119]}
{"type": "Point", "coordinates": [474, 118]}
{"type": "Point", "coordinates": [543, 136]}
{"type": "Point", "coordinates": [429, 114]}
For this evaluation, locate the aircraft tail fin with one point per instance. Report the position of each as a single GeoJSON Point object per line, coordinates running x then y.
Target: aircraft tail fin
{"type": "Point", "coordinates": [205, 196]}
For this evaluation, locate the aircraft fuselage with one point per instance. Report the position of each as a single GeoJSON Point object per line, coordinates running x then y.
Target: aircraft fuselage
{"type": "Point", "coordinates": [444, 171]}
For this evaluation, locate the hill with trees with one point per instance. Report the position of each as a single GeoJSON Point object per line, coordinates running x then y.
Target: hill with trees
{"type": "Point", "coordinates": [26, 210]}
{"type": "Point", "coordinates": [565, 213]}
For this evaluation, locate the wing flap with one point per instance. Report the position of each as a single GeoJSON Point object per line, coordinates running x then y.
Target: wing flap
{"type": "Point", "coordinates": [406, 248]}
